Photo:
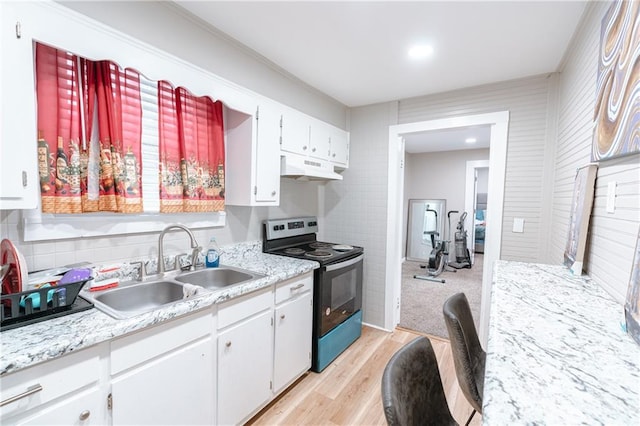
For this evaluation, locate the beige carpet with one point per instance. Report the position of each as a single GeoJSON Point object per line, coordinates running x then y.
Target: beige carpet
{"type": "Point", "coordinates": [421, 300]}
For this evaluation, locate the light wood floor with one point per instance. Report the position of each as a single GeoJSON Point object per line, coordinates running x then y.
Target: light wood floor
{"type": "Point", "coordinates": [347, 392]}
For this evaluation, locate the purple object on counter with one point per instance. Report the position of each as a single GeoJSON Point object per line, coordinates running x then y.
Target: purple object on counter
{"type": "Point", "coordinates": [75, 275]}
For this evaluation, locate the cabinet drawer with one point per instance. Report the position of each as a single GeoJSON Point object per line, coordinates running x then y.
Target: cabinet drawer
{"type": "Point", "coordinates": [131, 350]}
{"type": "Point", "coordinates": [55, 378]}
{"type": "Point", "coordinates": [291, 288]}
{"type": "Point", "coordinates": [243, 307]}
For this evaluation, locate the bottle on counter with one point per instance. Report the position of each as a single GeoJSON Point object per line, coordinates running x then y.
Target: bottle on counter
{"type": "Point", "coordinates": [212, 259]}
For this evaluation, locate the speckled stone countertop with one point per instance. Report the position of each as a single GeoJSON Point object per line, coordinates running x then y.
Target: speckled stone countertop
{"type": "Point", "coordinates": [556, 352]}
{"type": "Point", "coordinates": [25, 346]}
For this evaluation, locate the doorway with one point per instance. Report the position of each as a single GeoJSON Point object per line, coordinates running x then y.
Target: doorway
{"type": "Point", "coordinates": [499, 122]}
{"type": "Point", "coordinates": [475, 202]}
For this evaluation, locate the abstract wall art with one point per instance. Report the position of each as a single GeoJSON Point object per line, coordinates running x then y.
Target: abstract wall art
{"type": "Point", "coordinates": [617, 110]}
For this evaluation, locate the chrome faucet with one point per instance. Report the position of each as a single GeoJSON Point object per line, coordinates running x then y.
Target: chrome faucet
{"type": "Point", "coordinates": [196, 248]}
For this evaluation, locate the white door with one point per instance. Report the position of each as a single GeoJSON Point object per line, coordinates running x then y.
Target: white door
{"type": "Point", "coordinates": [245, 367]}
{"type": "Point", "coordinates": [177, 388]}
{"type": "Point", "coordinates": [267, 182]}
{"type": "Point", "coordinates": [292, 340]}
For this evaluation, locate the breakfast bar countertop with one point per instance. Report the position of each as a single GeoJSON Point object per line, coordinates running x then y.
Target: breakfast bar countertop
{"type": "Point", "coordinates": [557, 353]}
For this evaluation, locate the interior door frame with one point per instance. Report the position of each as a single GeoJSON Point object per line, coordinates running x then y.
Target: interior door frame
{"type": "Point", "coordinates": [470, 192]}
{"type": "Point", "coordinates": [499, 122]}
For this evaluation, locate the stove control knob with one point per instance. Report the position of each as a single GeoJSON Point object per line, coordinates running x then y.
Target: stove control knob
{"type": "Point", "coordinates": [276, 227]}
{"type": "Point", "coordinates": [282, 227]}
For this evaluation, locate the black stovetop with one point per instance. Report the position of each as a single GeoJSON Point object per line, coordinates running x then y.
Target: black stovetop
{"type": "Point", "coordinates": [322, 252]}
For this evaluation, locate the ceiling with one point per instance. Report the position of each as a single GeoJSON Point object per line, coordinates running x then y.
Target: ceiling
{"type": "Point", "coordinates": [356, 51]}
{"type": "Point", "coordinates": [447, 140]}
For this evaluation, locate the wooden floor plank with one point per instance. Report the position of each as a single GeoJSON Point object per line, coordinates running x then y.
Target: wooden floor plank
{"type": "Point", "coordinates": [347, 392]}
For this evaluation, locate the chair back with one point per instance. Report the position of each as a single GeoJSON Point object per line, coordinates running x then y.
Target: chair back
{"type": "Point", "coordinates": [468, 356]}
{"type": "Point", "coordinates": [412, 392]}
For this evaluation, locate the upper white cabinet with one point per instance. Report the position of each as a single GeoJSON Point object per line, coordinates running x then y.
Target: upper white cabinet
{"type": "Point", "coordinates": [339, 147]}
{"type": "Point", "coordinates": [309, 138]}
{"type": "Point", "coordinates": [295, 132]}
{"type": "Point", "coordinates": [253, 157]}
{"type": "Point", "coordinates": [320, 140]}
{"type": "Point", "coordinates": [18, 134]}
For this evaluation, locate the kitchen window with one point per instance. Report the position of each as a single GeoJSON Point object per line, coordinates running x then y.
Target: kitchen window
{"type": "Point", "coordinates": [54, 25]}
{"type": "Point", "coordinates": [90, 127]}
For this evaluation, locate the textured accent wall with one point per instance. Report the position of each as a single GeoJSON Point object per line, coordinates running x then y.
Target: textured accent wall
{"type": "Point", "coordinates": [527, 191]}
{"type": "Point", "coordinates": [612, 236]}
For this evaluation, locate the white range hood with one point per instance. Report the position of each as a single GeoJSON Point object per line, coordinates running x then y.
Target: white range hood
{"type": "Point", "coordinates": [303, 168]}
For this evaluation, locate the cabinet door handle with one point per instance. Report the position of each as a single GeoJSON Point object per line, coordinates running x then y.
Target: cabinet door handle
{"type": "Point", "coordinates": [334, 154]}
{"type": "Point", "coordinates": [85, 415]}
{"type": "Point", "coordinates": [282, 316]}
{"type": "Point", "coordinates": [304, 148]}
{"type": "Point", "coordinates": [297, 287]}
{"type": "Point", "coordinates": [313, 150]}
{"type": "Point", "coordinates": [228, 344]}
{"type": "Point", "coordinates": [273, 193]}
{"type": "Point", "coordinates": [30, 391]}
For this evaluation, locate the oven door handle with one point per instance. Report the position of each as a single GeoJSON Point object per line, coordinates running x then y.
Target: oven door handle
{"type": "Point", "coordinates": [344, 264]}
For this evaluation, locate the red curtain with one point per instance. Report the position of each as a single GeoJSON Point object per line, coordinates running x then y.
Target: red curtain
{"type": "Point", "coordinates": [63, 149]}
{"type": "Point", "coordinates": [191, 151]}
{"type": "Point", "coordinates": [117, 93]}
{"type": "Point", "coordinates": [59, 130]}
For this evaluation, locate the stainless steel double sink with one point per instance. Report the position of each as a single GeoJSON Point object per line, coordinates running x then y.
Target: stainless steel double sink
{"type": "Point", "coordinates": [130, 299]}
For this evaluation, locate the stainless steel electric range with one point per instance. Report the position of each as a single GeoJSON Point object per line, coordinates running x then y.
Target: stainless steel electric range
{"type": "Point", "coordinates": [337, 294]}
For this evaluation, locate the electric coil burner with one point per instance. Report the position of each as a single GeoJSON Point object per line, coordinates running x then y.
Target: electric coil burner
{"type": "Point", "coordinates": [337, 294]}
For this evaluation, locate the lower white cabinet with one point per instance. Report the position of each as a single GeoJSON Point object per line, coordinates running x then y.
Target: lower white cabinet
{"type": "Point", "coordinates": [165, 375]}
{"type": "Point", "coordinates": [210, 367]}
{"type": "Point", "coordinates": [64, 391]}
{"type": "Point", "coordinates": [293, 326]}
{"type": "Point", "coordinates": [245, 356]}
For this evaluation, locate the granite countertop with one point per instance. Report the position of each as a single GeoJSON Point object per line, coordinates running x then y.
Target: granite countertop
{"type": "Point", "coordinates": [557, 353]}
{"type": "Point", "coordinates": [26, 346]}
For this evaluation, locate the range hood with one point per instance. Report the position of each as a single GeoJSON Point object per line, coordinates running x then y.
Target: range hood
{"type": "Point", "coordinates": [302, 168]}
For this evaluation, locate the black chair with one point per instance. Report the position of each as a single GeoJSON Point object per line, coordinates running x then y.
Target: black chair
{"type": "Point", "coordinates": [412, 392]}
{"type": "Point", "coordinates": [468, 356]}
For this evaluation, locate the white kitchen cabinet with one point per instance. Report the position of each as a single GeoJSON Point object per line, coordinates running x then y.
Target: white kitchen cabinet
{"type": "Point", "coordinates": [19, 184]}
{"type": "Point", "coordinates": [165, 375]}
{"type": "Point", "coordinates": [245, 357]}
{"type": "Point", "coordinates": [339, 142]}
{"type": "Point", "coordinates": [320, 140]}
{"type": "Point", "coordinates": [293, 326]}
{"type": "Point", "coordinates": [295, 132]}
{"type": "Point", "coordinates": [65, 391]}
{"type": "Point", "coordinates": [253, 157]}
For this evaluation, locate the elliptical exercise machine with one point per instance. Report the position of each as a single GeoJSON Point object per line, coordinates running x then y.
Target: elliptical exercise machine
{"type": "Point", "coordinates": [439, 256]}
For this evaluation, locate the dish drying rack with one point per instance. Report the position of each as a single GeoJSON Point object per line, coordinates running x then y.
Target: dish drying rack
{"type": "Point", "coordinates": [18, 308]}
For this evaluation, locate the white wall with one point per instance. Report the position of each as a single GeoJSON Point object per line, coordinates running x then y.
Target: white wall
{"type": "Point", "coordinates": [439, 175]}
{"type": "Point", "coordinates": [355, 209]}
{"type": "Point", "coordinates": [170, 28]}
{"type": "Point", "coordinates": [529, 152]}
{"type": "Point", "coordinates": [612, 236]}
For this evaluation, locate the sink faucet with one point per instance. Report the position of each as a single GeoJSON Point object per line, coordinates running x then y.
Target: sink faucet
{"type": "Point", "coordinates": [194, 245]}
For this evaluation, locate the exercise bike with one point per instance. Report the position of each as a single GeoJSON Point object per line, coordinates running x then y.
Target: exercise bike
{"type": "Point", "coordinates": [439, 256]}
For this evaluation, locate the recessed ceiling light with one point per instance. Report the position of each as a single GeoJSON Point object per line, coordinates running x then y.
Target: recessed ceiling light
{"type": "Point", "coordinates": [420, 51]}
{"type": "Point", "coordinates": [470, 140]}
